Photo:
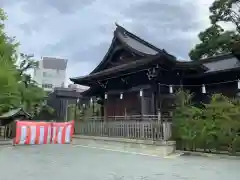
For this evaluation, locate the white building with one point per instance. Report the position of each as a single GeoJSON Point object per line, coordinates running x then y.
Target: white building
{"type": "Point", "coordinates": [50, 73]}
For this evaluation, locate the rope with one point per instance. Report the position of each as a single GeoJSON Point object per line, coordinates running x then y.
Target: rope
{"type": "Point", "coordinates": [196, 85]}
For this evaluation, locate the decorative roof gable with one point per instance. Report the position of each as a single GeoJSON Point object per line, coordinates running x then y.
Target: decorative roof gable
{"type": "Point", "coordinates": [124, 39]}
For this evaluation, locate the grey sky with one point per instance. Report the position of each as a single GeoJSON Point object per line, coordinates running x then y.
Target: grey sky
{"type": "Point", "coordinates": [81, 30]}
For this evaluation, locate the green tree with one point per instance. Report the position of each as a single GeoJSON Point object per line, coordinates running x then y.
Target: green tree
{"type": "Point", "coordinates": [186, 119]}
{"type": "Point", "coordinates": [72, 111]}
{"type": "Point", "coordinates": [7, 44]}
{"type": "Point", "coordinates": [215, 40]}
{"type": "Point", "coordinates": [32, 96]}
{"type": "Point", "coordinates": [17, 89]}
{"type": "Point", "coordinates": [9, 95]}
{"type": "Point", "coordinates": [221, 123]}
{"type": "Point", "coordinates": [226, 11]}
{"type": "Point", "coordinates": [215, 126]}
{"type": "Point", "coordinates": [26, 63]}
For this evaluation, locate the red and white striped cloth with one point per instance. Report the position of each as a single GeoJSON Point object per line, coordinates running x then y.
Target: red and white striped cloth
{"type": "Point", "coordinates": [62, 132]}
{"type": "Point", "coordinates": [29, 132]}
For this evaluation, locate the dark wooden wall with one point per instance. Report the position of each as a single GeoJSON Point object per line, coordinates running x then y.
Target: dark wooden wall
{"type": "Point", "coordinates": [129, 105]}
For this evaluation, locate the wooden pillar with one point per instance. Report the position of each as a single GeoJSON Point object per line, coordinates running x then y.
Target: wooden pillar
{"type": "Point", "coordinates": [155, 96]}
{"type": "Point", "coordinates": [102, 110]}
{"type": "Point", "coordinates": [152, 102]}
{"type": "Point", "coordinates": [143, 104]}
{"type": "Point", "coordinates": [153, 78]}
{"type": "Point", "coordinates": [105, 107]}
{"type": "Point", "coordinates": [145, 99]}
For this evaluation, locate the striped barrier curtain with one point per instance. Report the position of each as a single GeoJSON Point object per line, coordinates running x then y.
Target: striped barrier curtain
{"type": "Point", "coordinates": [29, 132]}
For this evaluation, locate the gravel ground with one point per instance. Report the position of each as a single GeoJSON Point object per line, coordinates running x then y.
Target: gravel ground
{"type": "Point", "coordinates": [66, 162]}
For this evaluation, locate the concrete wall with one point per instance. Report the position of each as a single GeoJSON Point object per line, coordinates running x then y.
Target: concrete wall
{"type": "Point", "coordinates": [55, 77]}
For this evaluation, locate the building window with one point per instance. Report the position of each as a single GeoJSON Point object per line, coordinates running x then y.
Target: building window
{"type": "Point", "coordinates": [47, 86]}
{"type": "Point", "coordinates": [47, 74]}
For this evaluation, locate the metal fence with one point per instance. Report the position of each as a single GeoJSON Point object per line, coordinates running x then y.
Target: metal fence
{"type": "Point", "coordinates": [126, 127]}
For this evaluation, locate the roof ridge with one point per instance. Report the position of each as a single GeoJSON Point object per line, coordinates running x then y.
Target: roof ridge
{"type": "Point", "coordinates": [218, 57]}
{"type": "Point", "coordinates": [134, 36]}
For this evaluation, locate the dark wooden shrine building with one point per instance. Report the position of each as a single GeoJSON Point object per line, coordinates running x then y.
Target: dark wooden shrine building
{"type": "Point", "coordinates": [137, 78]}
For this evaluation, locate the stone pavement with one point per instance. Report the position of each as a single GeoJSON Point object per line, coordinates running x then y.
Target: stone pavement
{"type": "Point", "coordinates": [64, 162]}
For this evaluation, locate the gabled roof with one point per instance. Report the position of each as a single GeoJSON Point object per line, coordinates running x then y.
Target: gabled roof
{"type": "Point", "coordinates": [130, 41]}
{"type": "Point", "coordinates": [71, 93]}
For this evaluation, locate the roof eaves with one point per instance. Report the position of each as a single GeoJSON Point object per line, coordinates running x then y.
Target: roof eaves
{"type": "Point", "coordinates": [123, 67]}
{"type": "Point", "coordinates": [117, 68]}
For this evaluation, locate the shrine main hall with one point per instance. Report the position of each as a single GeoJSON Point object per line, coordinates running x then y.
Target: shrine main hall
{"type": "Point", "coordinates": [137, 78]}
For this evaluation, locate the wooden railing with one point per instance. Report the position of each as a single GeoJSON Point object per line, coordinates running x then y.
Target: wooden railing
{"type": "Point", "coordinates": [133, 127]}
{"type": "Point", "coordinates": [129, 118]}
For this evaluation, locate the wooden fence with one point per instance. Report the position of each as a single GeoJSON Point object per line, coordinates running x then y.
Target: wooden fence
{"type": "Point", "coordinates": [126, 127]}
{"type": "Point", "coordinates": [2, 131]}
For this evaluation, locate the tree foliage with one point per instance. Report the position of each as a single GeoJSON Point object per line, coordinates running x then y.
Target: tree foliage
{"type": "Point", "coordinates": [83, 111]}
{"type": "Point", "coordinates": [216, 126]}
{"type": "Point", "coordinates": [215, 40]}
{"type": "Point", "coordinates": [185, 116]}
{"type": "Point", "coordinates": [7, 44]}
{"type": "Point", "coordinates": [17, 89]}
{"type": "Point", "coordinates": [9, 94]}
{"type": "Point", "coordinates": [226, 11]}
{"type": "Point", "coordinates": [74, 112]}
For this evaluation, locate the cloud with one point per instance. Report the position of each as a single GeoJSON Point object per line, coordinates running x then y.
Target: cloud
{"type": "Point", "coordinates": [81, 31]}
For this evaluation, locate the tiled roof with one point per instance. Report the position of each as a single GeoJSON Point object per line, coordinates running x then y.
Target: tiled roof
{"type": "Point", "coordinates": [135, 43]}
{"type": "Point", "coordinates": [223, 63]}
{"type": "Point", "coordinates": [13, 112]}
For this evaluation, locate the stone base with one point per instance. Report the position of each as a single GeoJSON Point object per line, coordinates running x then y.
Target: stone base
{"type": "Point", "coordinates": [159, 148]}
{"type": "Point", "coordinates": [5, 142]}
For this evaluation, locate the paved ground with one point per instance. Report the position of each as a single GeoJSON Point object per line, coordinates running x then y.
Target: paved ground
{"type": "Point", "coordinates": [70, 162]}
